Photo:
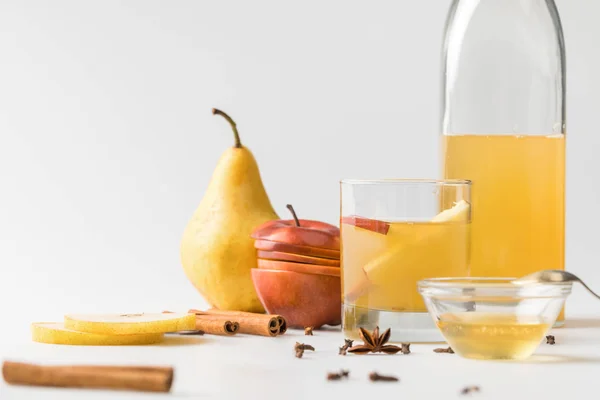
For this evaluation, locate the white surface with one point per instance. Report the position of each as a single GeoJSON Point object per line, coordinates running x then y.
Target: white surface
{"type": "Point", "coordinates": [250, 367]}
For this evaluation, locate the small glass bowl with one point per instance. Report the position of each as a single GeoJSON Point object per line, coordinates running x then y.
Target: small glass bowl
{"type": "Point", "coordinates": [493, 318]}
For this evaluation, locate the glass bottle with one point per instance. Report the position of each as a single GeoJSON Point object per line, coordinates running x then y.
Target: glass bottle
{"type": "Point", "coordinates": [503, 122]}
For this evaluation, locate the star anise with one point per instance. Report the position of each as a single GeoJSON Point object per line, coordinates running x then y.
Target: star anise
{"type": "Point", "coordinates": [375, 343]}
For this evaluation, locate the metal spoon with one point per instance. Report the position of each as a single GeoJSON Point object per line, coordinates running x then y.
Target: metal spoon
{"type": "Point", "coordinates": [552, 276]}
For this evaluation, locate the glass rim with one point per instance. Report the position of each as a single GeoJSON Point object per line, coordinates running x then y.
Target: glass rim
{"type": "Point", "coordinates": [494, 287]}
{"type": "Point", "coordinates": [407, 181]}
{"type": "Point", "coordinates": [483, 282]}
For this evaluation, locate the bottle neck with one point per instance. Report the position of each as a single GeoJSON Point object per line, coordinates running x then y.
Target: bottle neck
{"type": "Point", "coordinates": [504, 68]}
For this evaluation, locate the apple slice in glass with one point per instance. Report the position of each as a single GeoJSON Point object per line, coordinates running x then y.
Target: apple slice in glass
{"type": "Point", "coordinates": [390, 269]}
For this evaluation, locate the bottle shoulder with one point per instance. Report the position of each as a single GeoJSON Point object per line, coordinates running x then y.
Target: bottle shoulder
{"type": "Point", "coordinates": [504, 68]}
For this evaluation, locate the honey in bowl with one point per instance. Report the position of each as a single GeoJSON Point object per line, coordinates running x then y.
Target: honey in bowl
{"type": "Point", "coordinates": [493, 318]}
{"type": "Point", "coordinates": [492, 336]}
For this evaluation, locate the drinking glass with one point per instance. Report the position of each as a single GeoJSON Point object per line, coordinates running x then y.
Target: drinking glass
{"type": "Point", "coordinates": [395, 232]}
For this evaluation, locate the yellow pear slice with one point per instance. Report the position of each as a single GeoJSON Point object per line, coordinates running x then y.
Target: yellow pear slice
{"type": "Point", "coordinates": [56, 333]}
{"type": "Point", "coordinates": [406, 250]}
{"type": "Point", "coordinates": [130, 324]}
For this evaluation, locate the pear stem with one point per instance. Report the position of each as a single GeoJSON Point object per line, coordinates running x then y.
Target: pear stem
{"type": "Point", "coordinates": [238, 143]}
{"type": "Point", "coordinates": [289, 207]}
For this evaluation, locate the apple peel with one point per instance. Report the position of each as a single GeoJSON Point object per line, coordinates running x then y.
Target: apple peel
{"type": "Point", "coordinates": [373, 225]}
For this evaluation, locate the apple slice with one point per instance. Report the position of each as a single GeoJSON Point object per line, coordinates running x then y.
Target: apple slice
{"type": "Point", "coordinates": [128, 324]}
{"type": "Point", "coordinates": [298, 267]}
{"type": "Point", "coordinates": [267, 245]}
{"type": "Point", "coordinates": [376, 270]}
{"type": "Point", "coordinates": [56, 333]}
{"type": "Point", "coordinates": [299, 258]}
{"type": "Point", "coordinates": [373, 225]}
{"type": "Point", "coordinates": [458, 213]}
{"type": "Point", "coordinates": [359, 247]}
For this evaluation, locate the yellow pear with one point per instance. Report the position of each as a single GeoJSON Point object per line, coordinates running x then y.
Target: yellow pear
{"type": "Point", "coordinates": [217, 251]}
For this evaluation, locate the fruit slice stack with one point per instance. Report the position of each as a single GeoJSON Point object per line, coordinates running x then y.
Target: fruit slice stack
{"type": "Point", "coordinates": [298, 245]}
{"type": "Point", "coordinates": [111, 329]}
{"type": "Point", "coordinates": [298, 274]}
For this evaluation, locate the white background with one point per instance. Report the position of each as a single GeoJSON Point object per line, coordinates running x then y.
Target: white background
{"type": "Point", "coordinates": [108, 143]}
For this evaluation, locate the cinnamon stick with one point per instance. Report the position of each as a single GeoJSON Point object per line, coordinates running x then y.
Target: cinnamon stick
{"type": "Point", "coordinates": [251, 323]}
{"type": "Point", "coordinates": [214, 324]}
{"type": "Point", "coordinates": [148, 379]}
{"type": "Point", "coordinates": [282, 324]}
{"type": "Point", "coordinates": [217, 325]}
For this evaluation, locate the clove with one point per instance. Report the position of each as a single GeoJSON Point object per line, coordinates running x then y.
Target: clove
{"type": "Point", "coordinates": [308, 331]}
{"type": "Point", "coordinates": [336, 376]}
{"type": "Point", "coordinates": [470, 389]}
{"type": "Point", "coordinates": [550, 339]}
{"type": "Point", "coordinates": [405, 348]}
{"type": "Point", "coordinates": [442, 350]}
{"type": "Point", "coordinates": [300, 347]}
{"type": "Point", "coordinates": [303, 346]}
{"type": "Point", "coordinates": [375, 377]}
{"type": "Point", "coordinates": [344, 349]}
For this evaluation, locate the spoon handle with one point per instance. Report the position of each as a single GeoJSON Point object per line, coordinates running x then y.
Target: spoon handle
{"type": "Point", "coordinates": [588, 289]}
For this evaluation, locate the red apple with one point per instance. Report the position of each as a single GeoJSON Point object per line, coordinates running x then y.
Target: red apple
{"type": "Point", "coordinates": [299, 232]}
{"type": "Point", "coordinates": [303, 299]}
